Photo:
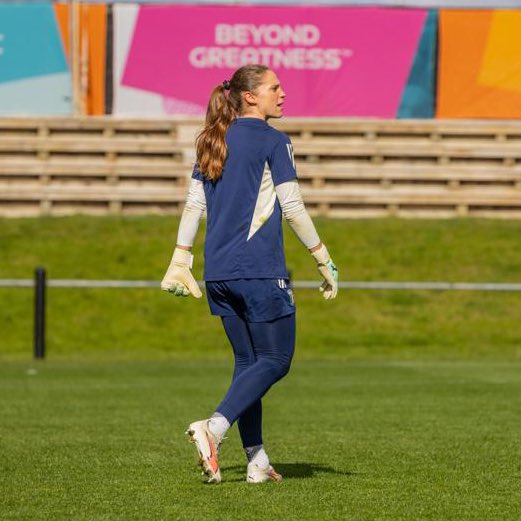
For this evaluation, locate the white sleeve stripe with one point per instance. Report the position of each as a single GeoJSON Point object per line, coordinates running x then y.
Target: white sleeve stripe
{"type": "Point", "coordinates": [289, 146]}
{"type": "Point", "coordinates": [265, 203]}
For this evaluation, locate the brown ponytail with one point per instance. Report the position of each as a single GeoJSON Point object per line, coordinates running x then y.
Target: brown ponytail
{"type": "Point", "coordinates": [222, 110]}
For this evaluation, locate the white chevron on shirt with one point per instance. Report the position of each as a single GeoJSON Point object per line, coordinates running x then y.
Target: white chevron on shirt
{"type": "Point", "coordinates": [265, 202]}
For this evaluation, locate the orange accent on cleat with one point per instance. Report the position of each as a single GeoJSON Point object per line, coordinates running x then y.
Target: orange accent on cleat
{"type": "Point", "coordinates": [207, 448]}
{"type": "Point", "coordinates": [212, 459]}
{"type": "Point", "coordinates": [274, 475]}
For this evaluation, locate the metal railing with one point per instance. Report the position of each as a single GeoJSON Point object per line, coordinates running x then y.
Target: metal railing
{"type": "Point", "coordinates": [299, 284]}
{"type": "Point", "coordinates": [40, 284]}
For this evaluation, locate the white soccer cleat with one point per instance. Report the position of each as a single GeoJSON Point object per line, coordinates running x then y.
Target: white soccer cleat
{"type": "Point", "coordinates": [207, 447]}
{"type": "Point", "coordinates": [255, 474]}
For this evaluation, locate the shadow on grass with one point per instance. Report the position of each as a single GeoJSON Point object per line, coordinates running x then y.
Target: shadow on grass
{"type": "Point", "coordinates": [294, 470]}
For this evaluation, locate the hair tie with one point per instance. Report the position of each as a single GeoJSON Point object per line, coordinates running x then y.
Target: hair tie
{"type": "Point", "coordinates": [226, 85]}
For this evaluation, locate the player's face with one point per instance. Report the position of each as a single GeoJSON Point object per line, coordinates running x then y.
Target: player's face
{"type": "Point", "coordinates": [269, 97]}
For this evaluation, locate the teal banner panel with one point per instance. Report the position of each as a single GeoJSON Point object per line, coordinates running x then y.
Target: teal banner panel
{"type": "Point", "coordinates": [418, 98]}
{"type": "Point", "coordinates": [34, 74]}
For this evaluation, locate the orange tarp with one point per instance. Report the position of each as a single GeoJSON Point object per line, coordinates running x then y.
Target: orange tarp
{"type": "Point", "coordinates": [93, 30]}
{"type": "Point", "coordinates": [479, 70]}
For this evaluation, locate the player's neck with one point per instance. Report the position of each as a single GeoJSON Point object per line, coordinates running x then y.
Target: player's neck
{"type": "Point", "coordinates": [254, 114]}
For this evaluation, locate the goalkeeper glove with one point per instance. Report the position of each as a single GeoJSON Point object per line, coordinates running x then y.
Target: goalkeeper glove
{"type": "Point", "coordinates": [328, 270]}
{"type": "Point", "coordinates": [178, 278]}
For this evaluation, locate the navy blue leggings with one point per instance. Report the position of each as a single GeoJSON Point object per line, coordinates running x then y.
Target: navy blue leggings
{"type": "Point", "coordinates": [263, 353]}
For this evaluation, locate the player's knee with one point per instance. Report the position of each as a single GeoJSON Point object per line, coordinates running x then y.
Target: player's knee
{"type": "Point", "coordinates": [243, 362]}
{"type": "Point", "coordinates": [281, 367]}
{"type": "Point", "coordinates": [285, 366]}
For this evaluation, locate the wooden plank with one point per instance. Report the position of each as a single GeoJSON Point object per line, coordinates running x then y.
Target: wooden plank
{"type": "Point", "coordinates": [425, 196]}
{"type": "Point", "coordinates": [377, 126]}
{"type": "Point", "coordinates": [98, 145]}
{"type": "Point", "coordinates": [311, 125]}
{"type": "Point", "coordinates": [454, 127]}
{"type": "Point", "coordinates": [495, 213]}
{"type": "Point", "coordinates": [79, 194]}
{"type": "Point", "coordinates": [98, 167]}
{"type": "Point", "coordinates": [320, 147]}
{"type": "Point", "coordinates": [360, 147]}
{"type": "Point", "coordinates": [400, 171]}
{"type": "Point", "coordinates": [131, 167]}
{"type": "Point", "coordinates": [422, 199]}
{"type": "Point", "coordinates": [96, 122]}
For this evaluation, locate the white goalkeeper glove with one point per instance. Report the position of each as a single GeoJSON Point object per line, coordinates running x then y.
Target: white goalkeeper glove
{"type": "Point", "coordinates": [178, 278]}
{"type": "Point", "coordinates": [328, 270]}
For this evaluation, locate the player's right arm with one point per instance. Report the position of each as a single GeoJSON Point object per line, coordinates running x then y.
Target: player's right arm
{"type": "Point", "coordinates": [284, 175]}
{"type": "Point", "coordinates": [178, 278]}
{"type": "Point", "coordinates": [296, 215]}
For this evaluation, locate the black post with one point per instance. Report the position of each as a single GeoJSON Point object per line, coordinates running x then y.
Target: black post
{"type": "Point", "coordinates": [39, 313]}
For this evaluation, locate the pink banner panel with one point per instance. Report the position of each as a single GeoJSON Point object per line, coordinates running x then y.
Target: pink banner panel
{"type": "Point", "coordinates": [331, 61]}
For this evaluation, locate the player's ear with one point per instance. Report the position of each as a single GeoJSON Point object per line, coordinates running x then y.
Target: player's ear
{"type": "Point", "coordinates": [249, 97]}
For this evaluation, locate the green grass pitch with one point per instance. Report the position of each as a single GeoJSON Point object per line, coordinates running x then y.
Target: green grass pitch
{"type": "Point", "coordinates": [401, 405]}
{"type": "Point", "coordinates": [354, 440]}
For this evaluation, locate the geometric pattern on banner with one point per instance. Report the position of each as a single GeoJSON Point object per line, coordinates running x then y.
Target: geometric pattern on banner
{"type": "Point", "coordinates": [501, 65]}
{"type": "Point", "coordinates": [129, 100]}
{"type": "Point", "coordinates": [418, 95]}
{"type": "Point", "coordinates": [34, 75]}
{"type": "Point", "coordinates": [479, 73]}
{"type": "Point", "coordinates": [31, 45]}
{"type": "Point", "coordinates": [48, 94]}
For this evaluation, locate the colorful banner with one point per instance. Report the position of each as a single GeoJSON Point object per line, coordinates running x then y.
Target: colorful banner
{"type": "Point", "coordinates": [479, 71]}
{"type": "Point", "coordinates": [390, 3]}
{"type": "Point", "coordinates": [34, 75]}
{"type": "Point", "coordinates": [331, 61]}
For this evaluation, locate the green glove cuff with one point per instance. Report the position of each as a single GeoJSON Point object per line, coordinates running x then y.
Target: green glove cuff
{"type": "Point", "coordinates": [330, 265]}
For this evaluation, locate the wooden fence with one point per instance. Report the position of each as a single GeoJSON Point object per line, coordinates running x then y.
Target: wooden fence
{"type": "Point", "coordinates": [347, 168]}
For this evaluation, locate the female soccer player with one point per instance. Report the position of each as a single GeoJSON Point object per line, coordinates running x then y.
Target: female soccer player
{"type": "Point", "coordinates": [245, 179]}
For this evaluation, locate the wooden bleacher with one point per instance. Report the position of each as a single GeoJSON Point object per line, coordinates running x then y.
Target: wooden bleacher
{"type": "Point", "coordinates": [347, 168]}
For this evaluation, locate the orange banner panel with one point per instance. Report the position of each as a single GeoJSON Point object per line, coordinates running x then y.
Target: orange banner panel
{"type": "Point", "coordinates": [97, 31]}
{"type": "Point", "coordinates": [479, 72]}
{"type": "Point", "coordinates": [62, 16]}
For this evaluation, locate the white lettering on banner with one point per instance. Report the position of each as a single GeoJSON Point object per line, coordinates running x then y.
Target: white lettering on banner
{"type": "Point", "coordinates": [273, 34]}
{"type": "Point", "coordinates": [293, 58]}
{"type": "Point", "coordinates": [239, 44]}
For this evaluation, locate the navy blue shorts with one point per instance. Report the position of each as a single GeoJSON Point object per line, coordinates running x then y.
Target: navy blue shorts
{"type": "Point", "coordinates": [254, 300]}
